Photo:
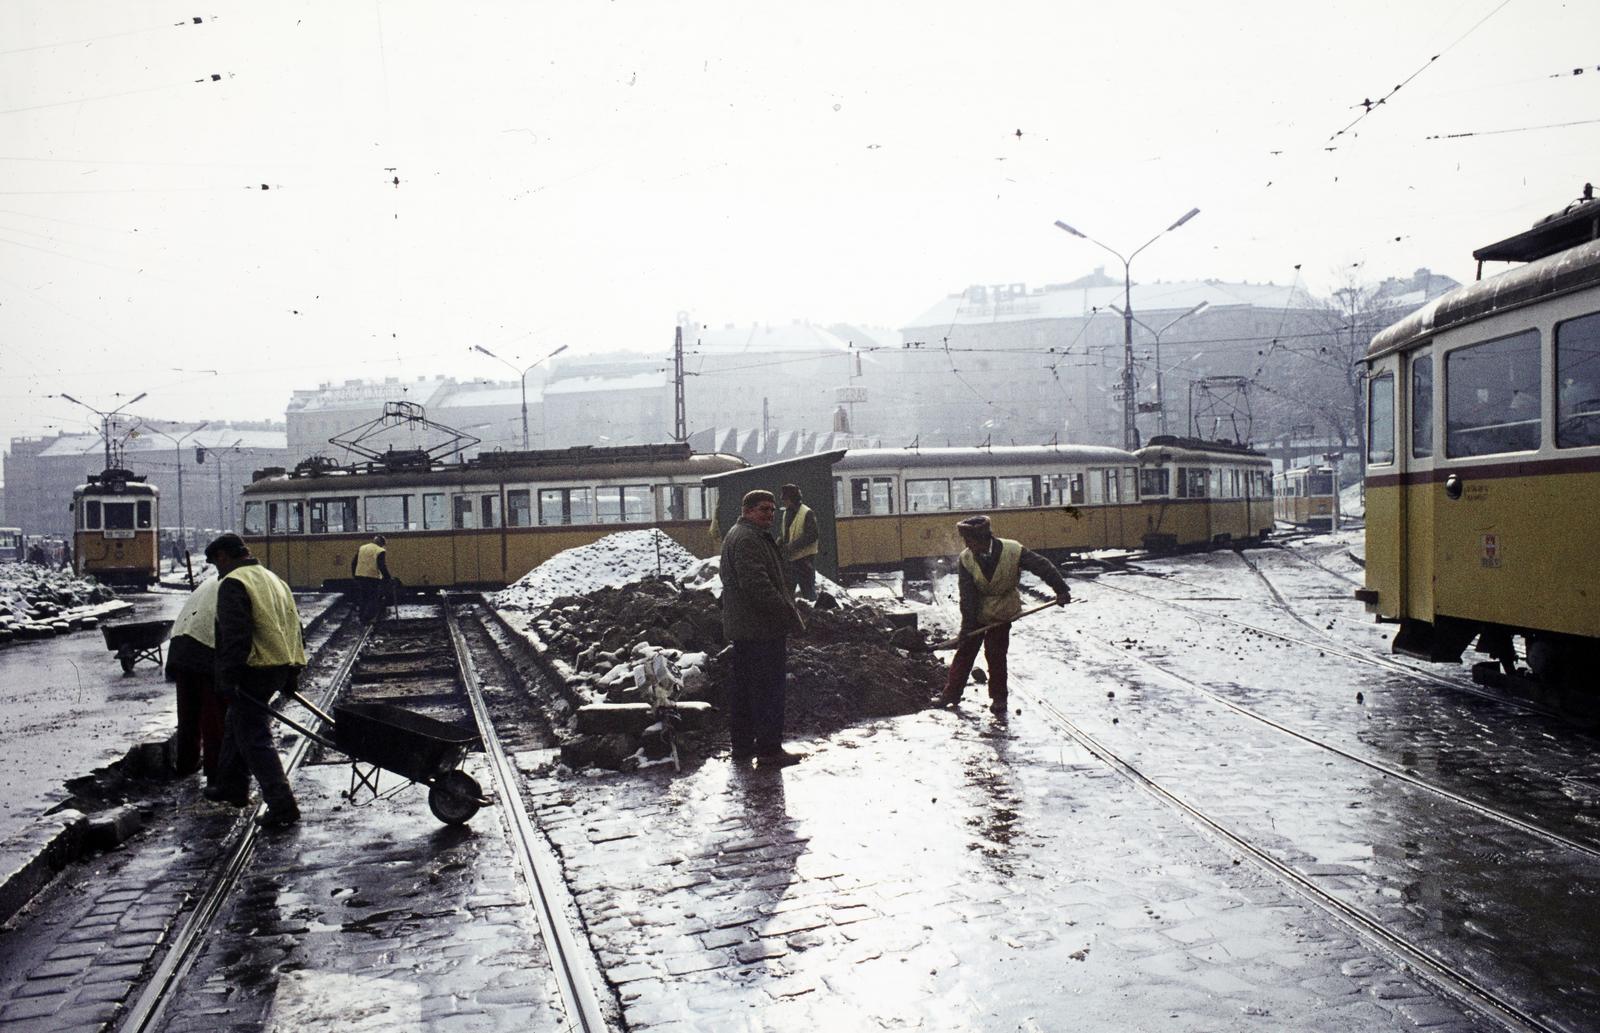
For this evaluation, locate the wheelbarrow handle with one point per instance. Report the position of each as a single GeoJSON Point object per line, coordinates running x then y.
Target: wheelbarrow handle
{"type": "Point", "coordinates": [291, 722]}
{"type": "Point", "coordinates": [300, 698]}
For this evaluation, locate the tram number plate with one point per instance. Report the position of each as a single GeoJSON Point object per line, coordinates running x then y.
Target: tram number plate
{"type": "Point", "coordinates": [1491, 550]}
{"type": "Point", "coordinates": [118, 534]}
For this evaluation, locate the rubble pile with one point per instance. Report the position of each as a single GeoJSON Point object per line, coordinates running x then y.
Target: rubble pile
{"type": "Point", "coordinates": [852, 664]}
{"type": "Point", "coordinates": [38, 602]}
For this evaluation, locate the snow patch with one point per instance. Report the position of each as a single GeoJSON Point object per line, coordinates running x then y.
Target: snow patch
{"type": "Point", "coordinates": [613, 561]}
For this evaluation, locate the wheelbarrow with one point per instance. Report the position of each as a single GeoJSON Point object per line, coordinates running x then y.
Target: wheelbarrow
{"type": "Point", "coordinates": [139, 640]}
{"type": "Point", "coordinates": [381, 737]}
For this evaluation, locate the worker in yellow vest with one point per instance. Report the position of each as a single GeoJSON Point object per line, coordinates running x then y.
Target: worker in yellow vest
{"type": "Point", "coordinates": [370, 568]}
{"type": "Point", "coordinates": [260, 652]}
{"type": "Point", "coordinates": [990, 573]}
{"type": "Point", "coordinates": [800, 541]}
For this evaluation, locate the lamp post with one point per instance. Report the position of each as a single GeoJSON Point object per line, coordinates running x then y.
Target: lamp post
{"type": "Point", "coordinates": [105, 418]}
{"type": "Point", "coordinates": [177, 455]}
{"type": "Point", "coordinates": [1161, 399]}
{"type": "Point", "coordinates": [1130, 427]}
{"type": "Point", "coordinates": [523, 376]}
{"type": "Point", "coordinates": [218, 453]}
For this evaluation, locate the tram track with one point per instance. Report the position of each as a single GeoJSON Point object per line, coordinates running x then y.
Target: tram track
{"type": "Point", "coordinates": [1330, 644]}
{"type": "Point", "coordinates": [573, 969]}
{"type": "Point", "coordinates": [1449, 980]}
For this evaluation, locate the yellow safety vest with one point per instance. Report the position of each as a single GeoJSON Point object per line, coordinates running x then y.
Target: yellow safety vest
{"type": "Point", "coordinates": [198, 619]}
{"type": "Point", "coordinates": [797, 524]}
{"type": "Point", "coordinates": [998, 598]}
{"type": "Point", "coordinates": [275, 639]}
{"type": "Point", "coordinates": [367, 560]}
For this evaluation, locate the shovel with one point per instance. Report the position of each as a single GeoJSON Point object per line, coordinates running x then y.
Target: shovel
{"type": "Point", "coordinates": [954, 642]}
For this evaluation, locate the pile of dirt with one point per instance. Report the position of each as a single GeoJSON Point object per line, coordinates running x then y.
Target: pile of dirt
{"type": "Point", "coordinates": [854, 663]}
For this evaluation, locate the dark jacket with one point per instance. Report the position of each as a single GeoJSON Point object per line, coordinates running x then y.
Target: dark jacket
{"type": "Point", "coordinates": [757, 603]}
{"type": "Point", "coordinates": [1030, 561]}
{"type": "Point", "coordinates": [235, 634]}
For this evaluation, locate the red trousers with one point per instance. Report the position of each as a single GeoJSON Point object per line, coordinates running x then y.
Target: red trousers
{"type": "Point", "coordinates": [200, 716]}
{"type": "Point", "coordinates": [995, 643]}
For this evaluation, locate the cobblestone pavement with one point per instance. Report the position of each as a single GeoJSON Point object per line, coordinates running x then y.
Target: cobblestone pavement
{"type": "Point", "coordinates": [946, 872]}
{"type": "Point", "coordinates": [374, 918]}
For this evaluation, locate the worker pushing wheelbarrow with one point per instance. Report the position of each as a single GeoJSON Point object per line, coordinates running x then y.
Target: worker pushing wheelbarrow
{"type": "Point", "coordinates": [381, 737]}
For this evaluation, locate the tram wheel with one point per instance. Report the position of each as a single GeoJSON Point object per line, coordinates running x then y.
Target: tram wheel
{"type": "Point", "coordinates": [453, 797]}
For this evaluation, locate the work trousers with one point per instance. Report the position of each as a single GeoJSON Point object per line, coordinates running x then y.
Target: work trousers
{"type": "Point", "coordinates": [995, 643]}
{"type": "Point", "coordinates": [370, 592]}
{"type": "Point", "coordinates": [200, 723]}
{"type": "Point", "coordinates": [805, 576]}
{"type": "Point", "coordinates": [756, 695]}
{"type": "Point", "coordinates": [247, 747]}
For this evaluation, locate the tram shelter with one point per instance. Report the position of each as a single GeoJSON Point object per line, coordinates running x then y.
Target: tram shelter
{"type": "Point", "coordinates": [812, 474]}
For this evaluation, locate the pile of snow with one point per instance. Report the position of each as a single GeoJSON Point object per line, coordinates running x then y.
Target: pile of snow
{"type": "Point", "coordinates": [613, 561]}
{"type": "Point", "coordinates": [39, 601]}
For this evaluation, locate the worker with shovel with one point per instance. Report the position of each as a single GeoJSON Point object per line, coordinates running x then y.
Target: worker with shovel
{"type": "Point", "coordinates": [990, 571]}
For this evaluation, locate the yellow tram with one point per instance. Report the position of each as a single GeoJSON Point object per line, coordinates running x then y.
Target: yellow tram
{"type": "Point", "coordinates": [1483, 461]}
{"type": "Point", "coordinates": [899, 506]}
{"type": "Point", "coordinates": [1306, 496]}
{"type": "Point", "coordinates": [483, 523]}
{"type": "Point", "coordinates": [115, 517]}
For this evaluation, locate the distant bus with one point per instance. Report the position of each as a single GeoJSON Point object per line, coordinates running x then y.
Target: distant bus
{"type": "Point", "coordinates": [10, 545]}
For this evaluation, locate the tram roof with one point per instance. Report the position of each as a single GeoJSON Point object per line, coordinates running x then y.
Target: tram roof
{"type": "Point", "coordinates": [1570, 270]}
{"type": "Point", "coordinates": [507, 467]}
{"type": "Point", "coordinates": [982, 456]}
{"type": "Point", "coordinates": [1167, 448]}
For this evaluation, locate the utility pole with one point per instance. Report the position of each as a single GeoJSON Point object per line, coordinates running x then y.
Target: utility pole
{"type": "Point", "coordinates": [680, 413]}
{"type": "Point", "coordinates": [1130, 425]}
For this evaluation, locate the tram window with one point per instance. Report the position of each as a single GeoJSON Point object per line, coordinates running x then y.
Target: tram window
{"type": "Point", "coordinates": [1578, 382]}
{"type": "Point", "coordinates": [435, 515]}
{"type": "Point", "coordinates": [1380, 419]}
{"type": "Point", "coordinates": [283, 518]}
{"type": "Point", "coordinates": [580, 506]}
{"type": "Point", "coordinates": [388, 512]}
{"type": "Point", "coordinates": [1193, 482]}
{"type": "Point", "coordinates": [332, 516]}
{"type": "Point", "coordinates": [972, 493]}
{"type": "Point", "coordinates": [566, 506]}
{"type": "Point", "coordinates": [636, 505]}
{"type": "Point", "coordinates": [1422, 406]}
{"type": "Point", "coordinates": [144, 510]}
{"type": "Point", "coordinates": [608, 505]}
{"type": "Point", "coordinates": [552, 507]}
{"type": "Point", "coordinates": [860, 496]}
{"type": "Point", "coordinates": [255, 518]}
{"type": "Point", "coordinates": [489, 509]}
{"type": "Point", "coordinates": [1319, 482]}
{"type": "Point", "coordinates": [119, 516]}
{"type": "Point", "coordinates": [925, 495]}
{"type": "Point", "coordinates": [1155, 483]}
{"type": "Point", "coordinates": [1016, 492]}
{"type": "Point", "coordinates": [1097, 487]}
{"type": "Point", "coordinates": [679, 502]}
{"type": "Point", "coordinates": [519, 508]}
{"type": "Point", "coordinates": [1492, 396]}
{"type": "Point", "coordinates": [466, 517]}
{"type": "Point", "coordinates": [91, 514]}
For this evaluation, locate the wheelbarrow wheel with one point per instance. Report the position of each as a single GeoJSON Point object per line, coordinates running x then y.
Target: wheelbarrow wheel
{"type": "Point", "coordinates": [127, 663]}
{"type": "Point", "coordinates": [453, 797]}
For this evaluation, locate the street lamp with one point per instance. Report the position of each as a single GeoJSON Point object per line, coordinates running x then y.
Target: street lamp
{"type": "Point", "coordinates": [1130, 427]}
{"type": "Point", "coordinates": [1161, 399]}
{"type": "Point", "coordinates": [105, 418]}
{"type": "Point", "coordinates": [523, 376]}
{"type": "Point", "coordinates": [218, 453]}
{"type": "Point", "coordinates": [177, 456]}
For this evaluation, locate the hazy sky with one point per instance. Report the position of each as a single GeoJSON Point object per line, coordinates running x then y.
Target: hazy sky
{"type": "Point", "coordinates": [579, 172]}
